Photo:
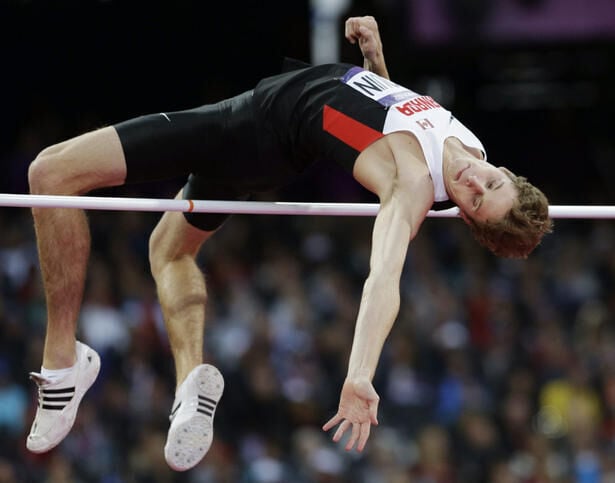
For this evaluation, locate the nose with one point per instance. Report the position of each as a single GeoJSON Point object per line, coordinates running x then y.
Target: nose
{"type": "Point", "coordinates": [476, 183]}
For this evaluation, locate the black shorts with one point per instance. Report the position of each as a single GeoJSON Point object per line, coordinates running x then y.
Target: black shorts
{"type": "Point", "coordinates": [220, 147]}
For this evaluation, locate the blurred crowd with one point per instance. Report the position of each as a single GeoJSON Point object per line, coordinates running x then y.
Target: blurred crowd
{"type": "Point", "coordinates": [496, 371]}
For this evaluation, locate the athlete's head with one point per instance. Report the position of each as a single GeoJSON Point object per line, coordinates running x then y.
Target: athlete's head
{"type": "Point", "coordinates": [521, 229]}
{"type": "Point", "coordinates": [505, 212]}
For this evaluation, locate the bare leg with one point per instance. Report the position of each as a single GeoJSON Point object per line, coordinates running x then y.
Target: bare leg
{"type": "Point", "coordinates": [93, 160]}
{"type": "Point", "coordinates": [181, 288]}
{"type": "Point", "coordinates": [63, 245]}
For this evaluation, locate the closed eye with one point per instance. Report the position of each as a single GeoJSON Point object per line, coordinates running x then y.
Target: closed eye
{"type": "Point", "coordinates": [492, 186]}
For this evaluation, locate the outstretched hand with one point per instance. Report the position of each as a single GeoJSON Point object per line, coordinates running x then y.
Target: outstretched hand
{"type": "Point", "coordinates": [358, 409]}
{"type": "Point", "coordinates": [365, 31]}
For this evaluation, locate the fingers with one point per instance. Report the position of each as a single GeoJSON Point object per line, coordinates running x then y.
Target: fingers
{"type": "Point", "coordinates": [373, 411]}
{"type": "Point", "coordinates": [359, 434]}
{"type": "Point", "coordinates": [357, 27]}
{"type": "Point", "coordinates": [363, 436]}
{"type": "Point", "coordinates": [351, 29]}
{"type": "Point", "coordinates": [354, 435]}
{"type": "Point", "coordinates": [332, 422]}
{"type": "Point", "coordinates": [341, 430]}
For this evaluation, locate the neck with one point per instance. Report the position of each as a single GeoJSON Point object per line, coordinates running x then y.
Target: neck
{"type": "Point", "coordinates": [452, 147]}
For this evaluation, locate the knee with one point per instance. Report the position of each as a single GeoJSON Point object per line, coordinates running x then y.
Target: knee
{"type": "Point", "coordinates": [47, 173]}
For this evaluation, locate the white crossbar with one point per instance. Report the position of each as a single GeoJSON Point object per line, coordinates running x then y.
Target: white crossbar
{"type": "Point", "coordinates": [255, 207]}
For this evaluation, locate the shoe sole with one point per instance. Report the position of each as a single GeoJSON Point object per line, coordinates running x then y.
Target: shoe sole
{"type": "Point", "coordinates": [189, 441]}
{"type": "Point", "coordinates": [74, 403]}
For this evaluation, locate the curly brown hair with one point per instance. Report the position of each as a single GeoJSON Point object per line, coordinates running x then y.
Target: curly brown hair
{"type": "Point", "coordinates": [522, 228]}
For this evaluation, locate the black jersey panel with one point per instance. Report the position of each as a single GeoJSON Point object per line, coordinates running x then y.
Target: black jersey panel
{"type": "Point", "coordinates": [291, 108]}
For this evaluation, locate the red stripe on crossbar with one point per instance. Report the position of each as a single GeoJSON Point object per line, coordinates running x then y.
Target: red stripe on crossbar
{"type": "Point", "coordinates": [348, 130]}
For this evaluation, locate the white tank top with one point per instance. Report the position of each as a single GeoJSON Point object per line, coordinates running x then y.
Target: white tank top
{"type": "Point", "coordinates": [420, 115]}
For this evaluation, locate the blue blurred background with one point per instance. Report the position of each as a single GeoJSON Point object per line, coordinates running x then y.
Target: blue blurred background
{"type": "Point", "coordinates": [496, 371]}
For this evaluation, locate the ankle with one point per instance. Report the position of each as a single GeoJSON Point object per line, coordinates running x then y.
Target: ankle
{"type": "Point", "coordinates": [56, 356]}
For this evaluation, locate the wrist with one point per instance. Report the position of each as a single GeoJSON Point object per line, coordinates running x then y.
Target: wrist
{"type": "Point", "coordinates": [376, 66]}
{"type": "Point", "coordinates": [359, 374]}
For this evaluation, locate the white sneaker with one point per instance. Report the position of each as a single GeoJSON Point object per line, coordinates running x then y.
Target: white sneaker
{"type": "Point", "coordinates": [192, 417]}
{"type": "Point", "coordinates": [58, 401]}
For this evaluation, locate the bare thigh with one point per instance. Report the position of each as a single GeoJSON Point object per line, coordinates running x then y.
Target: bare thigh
{"type": "Point", "coordinates": [86, 162]}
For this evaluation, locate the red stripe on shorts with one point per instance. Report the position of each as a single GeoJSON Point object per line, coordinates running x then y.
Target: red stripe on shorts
{"type": "Point", "coordinates": [348, 130]}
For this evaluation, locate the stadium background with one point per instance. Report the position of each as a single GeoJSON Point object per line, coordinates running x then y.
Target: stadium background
{"type": "Point", "coordinates": [497, 371]}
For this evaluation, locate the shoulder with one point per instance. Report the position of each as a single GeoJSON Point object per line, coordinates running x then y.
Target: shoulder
{"type": "Point", "coordinates": [395, 162]}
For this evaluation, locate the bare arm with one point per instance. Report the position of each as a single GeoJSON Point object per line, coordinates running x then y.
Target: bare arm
{"type": "Point", "coordinates": [365, 31]}
{"type": "Point", "coordinates": [404, 202]}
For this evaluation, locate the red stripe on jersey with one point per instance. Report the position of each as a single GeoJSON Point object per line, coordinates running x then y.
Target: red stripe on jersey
{"type": "Point", "coordinates": [348, 130]}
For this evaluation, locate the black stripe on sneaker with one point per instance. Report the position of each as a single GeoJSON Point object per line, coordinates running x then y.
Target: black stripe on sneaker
{"type": "Point", "coordinates": [54, 398]}
{"type": "Point", "coordinates": [209, 400]}
{"type": "Point", "coordinates": [58, 391]}
{"type": "Point", "coordinates": [208, 406]}
{"type": "Point", "coordinates": [176, 408]}
{"type": "Point", "coordinates": [204, 411]}
{"type": "Point", "coordinates": [207, 403]}
{"type": "Point", "coordinates": [55, 408]}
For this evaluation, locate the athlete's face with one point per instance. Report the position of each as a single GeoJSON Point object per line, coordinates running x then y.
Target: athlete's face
{"type": "Point", "coordinates": [480, 190]}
